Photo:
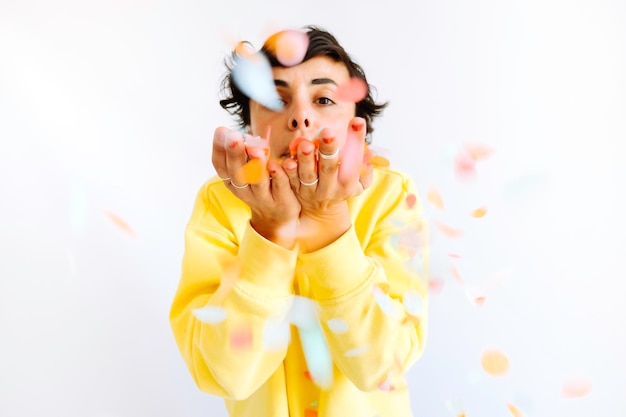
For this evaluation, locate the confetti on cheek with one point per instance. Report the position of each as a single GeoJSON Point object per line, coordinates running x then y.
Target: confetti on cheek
{"type": "Point", "coordinates": [253, 171]}
{"type": "Point", "coordinates": [479, 212]}
{"type": "Point", "coordinates": [357, 351]}
{"type": "Point", "coordinates": [494, 362]}
{"type": "Point", "coordinates": [241, 338]}
{"type": "Point", "coordinates": [575, 388]}
{"type": "Point", "coordinates": [516, 412]}
{"type": "Point", "coordinates": [210, 314]}
{"type": "Point", "coordinates": [353, 90]}
{"type": "Point", "coordinates": [434, 198]}
{"type": "Point", "coordinates": [337, 326]}
{"type": "Point", "coordinates": [253, 75]}
{"type": "Point", "coordinates": [290, 46]}
{"type": "Point", "coordinates": [121, 224]}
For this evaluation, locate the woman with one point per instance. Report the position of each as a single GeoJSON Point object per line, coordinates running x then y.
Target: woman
{"type": "Point", "coordinates": [315, 309]}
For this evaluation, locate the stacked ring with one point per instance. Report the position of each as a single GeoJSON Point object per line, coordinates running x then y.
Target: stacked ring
{"type": "Point", "coordinates": [331, 156]}
{"type": "Point", "coordinates": [308, 184]}
{"type": "Point", "coordinates": [239, 186]}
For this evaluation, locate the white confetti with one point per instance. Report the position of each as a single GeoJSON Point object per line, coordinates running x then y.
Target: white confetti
{"type": "Point", "coordinates": [210, 314]}
{"type": "Point", "coordinates": [413, 302]}
{"type": "Point", "coordinates": [357, 351]}
{"type": "Point", "coordinates": [337, 326]}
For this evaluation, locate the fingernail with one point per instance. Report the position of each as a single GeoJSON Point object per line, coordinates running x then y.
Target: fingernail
{"type": "Point", "coordinates": [358, 125]}
{"type": "Point", "coordinates": [328, 141]}
{"type": "Point", "coordinates": [232, 139]}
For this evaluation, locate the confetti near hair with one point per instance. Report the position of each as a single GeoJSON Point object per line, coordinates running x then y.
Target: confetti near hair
{"type": "Point", "coordinates": [253, 171]}
{"type": "Point", "coordinates": [337, 326]}
{"type": "Point", "coordinates": [434, 198]}
{"type": "Point", "coordinates": [351, 155]}
{"type": "Point", "coordinates": [516, 412]}
{"type": "Point", "coordinates": [575, 388]}
{"type": "Point", "coordinates": [479, 212]}
{"type": "Point", "coordinates": [241, 337]}
{"type": "Point", "coordinates": [449, 231]}
{"type": "Point", "coordinates": [210, 314]}
{"type": "Point", "coordinates": [494, 362]}
{"type": "Point", "coordinates": [289, 46]}
{"type": "Point", "coordinates": [253, 76]}
{"type": "Point", "coordinates": [353, 90]}
{"type": "Point", "coordinates": [357, 351]}
{"type": "Point", "coordinates": [121, 224]}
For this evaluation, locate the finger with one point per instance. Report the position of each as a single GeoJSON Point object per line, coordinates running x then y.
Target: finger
{"type": "Point", "coordinates": [328, 157]}
{"type": "Point", "coordinates": [218, 154]}
{"type": "Point", "coordinates": [290, 166]}
{"type": "Point", "coordinates": [351, 154]}
{"type": "Point", "coordinates": [280, 184]}
{"type": "Point", "coordinates": [235, 156]}
{"type": "Point", "coordinates": [307, 166]}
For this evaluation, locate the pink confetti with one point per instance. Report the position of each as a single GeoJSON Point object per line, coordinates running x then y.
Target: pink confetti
{"type": "Point", "coordinates": [411, 199]}
{"type": "Point", "coordinates": [353, 90]}
{"type": "Point", "coordinates": [241, 337]}
{"type": "Point", "coordinates": [290, 47]}
{"type": "Point", "coordinates": [464, 166]}
{"type": "Point", "coordinates": [449, 231]}
{"type": "Point", "coordinates": [575, 388]}
{"type": "Point", "coordinates": [121, 224]}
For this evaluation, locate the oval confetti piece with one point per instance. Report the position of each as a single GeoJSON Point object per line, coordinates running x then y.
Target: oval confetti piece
{"type": "Point", "coordinates": [434, 198]}
{"type": "Point", "coordinates": [253, 76]}
{"type": "Point", "coordinates": [575, 388]}
{"type": "Point", "coordinates": [494, 362]}
{"type": "Point", "coordinates": [383, 300]}
{"type": "Point", "coordinates": [337, 326]}
{"type": "Point", "coordinates": [210, 314]}
{"type": "Point", "coordinates": [121, 224]}
{"type": "Point", "coordinates": [413, 302]}
{"type": "Point", "coordinates": [516, 412]}
{"type": "Point", "coordinates": [449, 231]}
{"type": "Point", "coordinates": [479, 212]}
{"type": "Point", "coordinates": [241, 337]}
{"type": "Point", "coordinates": [317, 356]}
{"type": "Point", "coordinates": [290, 47]}
{"type": "Point", "coordinates": [253, 171]}
{"type": "Point", "coordinates": [357, 351]}
{"type": "Point", "coordinates": [464, 166]}
{"type": "Point", "coordinates": [478, 151]}
{"type": "Point", "coordinates": [310, 412]}
{"type": "Point", "coordinates": [411, 199]}
{"type": "Point", "coordinates": [353, 90]}
{"type": "Point", "coordinates": [435, 285]}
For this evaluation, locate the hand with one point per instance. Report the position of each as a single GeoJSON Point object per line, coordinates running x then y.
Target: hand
{"type": "Point", "coordinates": [274, 206]}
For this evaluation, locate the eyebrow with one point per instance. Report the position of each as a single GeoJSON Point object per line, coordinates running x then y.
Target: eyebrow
{"type": "Point", "coordinates": [314, 81]}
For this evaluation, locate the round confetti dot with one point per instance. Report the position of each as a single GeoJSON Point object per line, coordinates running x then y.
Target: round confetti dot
{"type": "Point", "coordinates": [290, 47]}
{"type": "Point", "coordinates": [337, 326]}
{"type": "Point", "coordinates": [575, 388]}
{"type": "Point", "coordinates": [411, 199]}
{"type": "Point", "coordinates": [479, 212]}
{"type": "Point", "coordinates": [494, 362]}
{"type": "Point", "coordinates": [210, 314]}
{"type": "Point", "coordinates": [464, 166]}
{"type": "Point", "coordinates": [241, 338]}
{"type": "Point", "coordinates": [353, 90]}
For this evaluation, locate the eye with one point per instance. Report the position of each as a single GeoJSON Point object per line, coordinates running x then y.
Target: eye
{"type": "Point", "coordinates": [324, 101]}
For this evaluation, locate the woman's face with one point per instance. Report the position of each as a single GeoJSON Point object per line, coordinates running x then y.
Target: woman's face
{"type": "Point", "coordinates": [308, 91]}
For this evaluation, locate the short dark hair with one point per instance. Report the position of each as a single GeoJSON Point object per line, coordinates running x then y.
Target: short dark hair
{"type": "Point", "coordinates": [321, 43]}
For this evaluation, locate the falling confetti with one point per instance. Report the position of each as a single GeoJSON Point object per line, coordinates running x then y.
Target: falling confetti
{"type": "Point", "coordinates": [413, 302]}
{"type": "Point", "coordinates": [357, 351]}
{"type": "Point", "coordinates": [337, 326]}
{"type": "Point", "coordinates": [276, 333]}
{"type": "Point", "coordinates": [434, 198]}
{"type": "Point", "coordinates": [516, 412]}
{"type": "Point", "coordinates": [353, 90]}
{"type": "Point", "coordinates": [478, 151]}
{"type": "Point", "coordinates": [253, 171]}
{"type": "Point", "coordinates": [464, 166]}
{"type": "Point", "coordinates": [289, 46]}
{"type": "Point", "coordinates": [435, 284]}
{"type": "Point", "coordinates": [253, 76]}
{"type": "Point", "coordinates": [494, 362]}
{"type": "Point", "coordinates": [121, 224]}
{"type": "Point", "coordinates": [479, 212]}
{"type": "Point", "coordinates": [210, 314]}
{"type": "Point", "coordinates": [575, 388]}
{"type": "Point", "coordinates": [310, 412]}
{"type": "Point", "coordinates": [383, 300]}
{"type": "Point", "coordinates": [241, 337]}
{"type": "Point", "coordinates": [448, 231]}
{"type": "Point", "coordinates": [411, 199]}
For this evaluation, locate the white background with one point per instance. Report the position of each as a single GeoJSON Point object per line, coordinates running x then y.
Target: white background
{"type": "Point", "coordinates": [110, 107]}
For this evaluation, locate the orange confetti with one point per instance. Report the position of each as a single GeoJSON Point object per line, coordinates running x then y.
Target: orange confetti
{"type": "Point", "coordinates": [411, 199]}
{"type": "Point", "coordinates": [479, 212]}
{"type": "Point", "coordinates": [494, 362]}
{"type": "Point", "coordinates": [290, 47]}
{"type": "Point", "coordinates": [575, 388]}
{"type": "Point", "coordinates": [448, 230]}
{"type": "Point", "coordinates": [456, 275]}
{"type": "Point", "coordinates": [117, 220]}
{"type": "Point", "coordinates": [293, 145]}
{"type": "Point", "coordinates": [514, 410]}
{"type": "Point", "coordinates": [310, 412]}
{"type": "Point", "coordinates": [478, 151]}
{"type": "Point", "coordinates": [479, 301]}
{"type": "Point", "coordinates": [435, 285]}
{"type": "Point", "coordinates": [253, 171]}
{"type": "Point", "coordinates": [353, 90]}
{"type": "Point", "coordinates": [435, 199]}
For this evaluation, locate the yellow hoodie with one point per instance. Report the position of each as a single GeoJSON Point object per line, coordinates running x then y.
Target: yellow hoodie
{"type": "Point", "coordinates": [369, 295]}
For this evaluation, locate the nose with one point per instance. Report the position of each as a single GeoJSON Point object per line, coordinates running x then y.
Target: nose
{"type": "Point", "coordinates": [300, 116]}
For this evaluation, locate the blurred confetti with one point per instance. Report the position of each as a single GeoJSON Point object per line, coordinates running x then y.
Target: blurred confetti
{"type": "Point", "coordinates": [516, 412]}
{"type": "Point", "coordinates": [241, 337]}
{"type": "Point", "coordinates": [357, 351]}
{"type": "Point", "coordinates": [575, 388]}
{"type": "Point", "coordinates": [494, 362]}
{"type": "Point", "coordinates": [289, 46]}
{"type": "Point", "coordinates": [253, 171]}
{"type": "Point", "coordinates": [276, 333]}
{"type": "Point", "coordinates": [479, 212]}
{"type": "Point", "coordinates": [210, 314]}
{"type": "Point", "coordinates": [413, 302]}
{"type": "Point", "coordinates": [253, 76]}
{"type": "Point", "coordinates": [464, 166]}
{"type": "Point", "coordinates": [337, 326]}
{"type": "Point", "coordinates": [447, 230]}
{"type": "Point", "coordinates": [121, 224]}
{"type": "Point", "coordinates": [353, 90]}
{"type": "Point", "coordinates": [434, 198]}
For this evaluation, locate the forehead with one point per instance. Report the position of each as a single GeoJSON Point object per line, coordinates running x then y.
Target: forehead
{"type": "Point", "coordinates": [318, 67]}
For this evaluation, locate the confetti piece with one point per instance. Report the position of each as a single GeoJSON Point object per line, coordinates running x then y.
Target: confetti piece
{"type": "Point", "coordinates": [383, 300]}
{"type": "Point", "coordinates": [210, 314]}
{"type": "Point", "coordinates": [386, 384]}
{"type": "Point", "coordinates": [253, 171]}
{"type": "Point", "coordinates": [575, 388]}
{"type": "Point", "coordinates": [449, 231]}
{"type": "Point", "coordinates": [434, 198]}
{"type": "Point", "coordinates": [454, 255]}
{"type": "Point", "coordinates": [253, 76]}
{"type": "Point", "coordinates": [494, 362]}
{"type": "Point", "coordinates": [351, 154]}
{"type": "Point", "coordinates": [254, 144]}
{"type": "Point", "coordinates": [357, 351]}
{"type": "Point", "coordinates": [276, 333]}
{"type": "Point", "coordinates": [435, 285]}
{"type": "Point", "coordinates": [464, 166]}
{"type": "Point", "coordinates": [413, 302]}
{"type": "Point", "coordinates": [309, 412]}
{"type": "Point", "coordinates": [241, 337]}
{"type": "Point", "coordinates": [411, 199]}
{"type": "Point", "coordinates": [289, 46]}
{"type": "Point", "coordinates": [121, 224]}
{"type": "Point", "coordinates": [317, 356]}
{"type": "Point", "coordinates": [478, 151]}
{"type": "Point", "coordinates": [479, 212]}
{"type": "Point", "coordinates": [516, 412]}
{"type": "Point", "coordinates": [353, 90]}
{"type": "Point", "coordinates": [337, 326]}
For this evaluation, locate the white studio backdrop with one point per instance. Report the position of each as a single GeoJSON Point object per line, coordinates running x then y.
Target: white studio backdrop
{"type": "Point", "coordinates": [106, 117]}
